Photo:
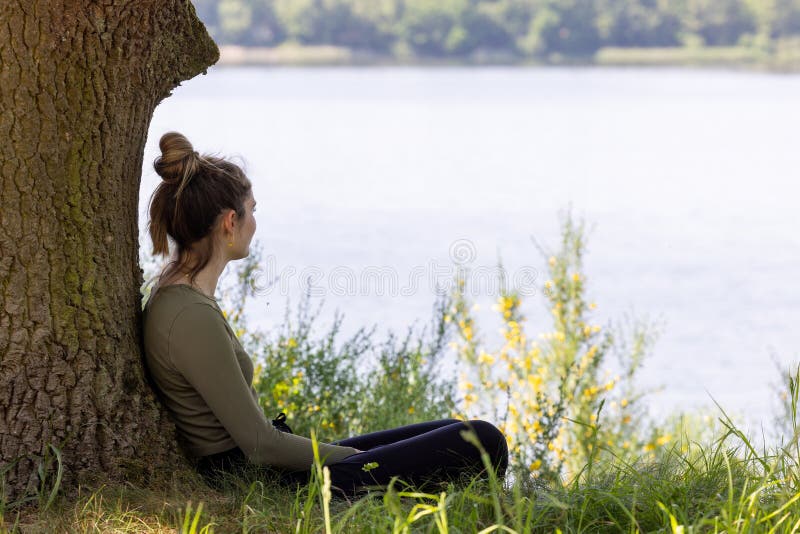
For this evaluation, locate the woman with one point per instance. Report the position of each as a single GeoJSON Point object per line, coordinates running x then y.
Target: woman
{"type": "Point", "coordinates": [203, 375]}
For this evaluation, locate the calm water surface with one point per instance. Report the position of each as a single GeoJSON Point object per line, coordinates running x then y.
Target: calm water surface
{"type": "Point", "coordinates": [688, 178]}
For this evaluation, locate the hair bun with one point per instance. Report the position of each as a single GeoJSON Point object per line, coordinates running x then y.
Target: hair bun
{"type": "Point", "coordinates": [178, 160]}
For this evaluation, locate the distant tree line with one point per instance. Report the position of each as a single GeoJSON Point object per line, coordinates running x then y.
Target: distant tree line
{"type": "Point", "coordinates": [523, 28]}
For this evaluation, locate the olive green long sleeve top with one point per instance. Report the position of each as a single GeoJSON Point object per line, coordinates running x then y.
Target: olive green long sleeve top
{"type": "Point", "coordinates": [204, 377]}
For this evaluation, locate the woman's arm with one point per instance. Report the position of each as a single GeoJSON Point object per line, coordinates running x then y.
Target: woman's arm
{"type": "Point", "coordinates": [201, 350]}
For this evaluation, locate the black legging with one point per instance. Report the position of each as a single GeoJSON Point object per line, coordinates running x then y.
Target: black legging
{"type": "Point", "coordinates": [416, 453]}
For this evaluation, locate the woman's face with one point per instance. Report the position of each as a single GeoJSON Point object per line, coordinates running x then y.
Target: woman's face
{"type": "Point", "coordinates": [245, 230]}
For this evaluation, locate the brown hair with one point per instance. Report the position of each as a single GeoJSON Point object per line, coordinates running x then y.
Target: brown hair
{"type": "Point", "coordinates": [188, 202]}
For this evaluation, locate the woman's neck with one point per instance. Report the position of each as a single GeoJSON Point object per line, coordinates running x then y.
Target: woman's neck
{"type": "Point", "coordinates": [206, 279]}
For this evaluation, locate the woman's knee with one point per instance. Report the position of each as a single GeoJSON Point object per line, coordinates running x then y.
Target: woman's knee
{"type": "Point", "coordinates": [490, 437]}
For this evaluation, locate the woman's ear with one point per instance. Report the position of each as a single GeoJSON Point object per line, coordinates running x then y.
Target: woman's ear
{"type": "Point", "coordinates": [228, 221]}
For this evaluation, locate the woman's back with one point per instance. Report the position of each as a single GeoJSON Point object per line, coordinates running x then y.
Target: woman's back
{"type": "Point", "coordinates": [204, 377]}
{"type": "Point", "coordinates": [197, 424]}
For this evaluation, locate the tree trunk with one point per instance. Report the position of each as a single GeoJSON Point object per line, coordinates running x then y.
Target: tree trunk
{"type": "Point", "coordinates": [79, 81]}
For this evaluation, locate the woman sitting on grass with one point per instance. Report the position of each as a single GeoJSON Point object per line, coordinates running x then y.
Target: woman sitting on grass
{"type": "Point", "coordinates": [203, 375]}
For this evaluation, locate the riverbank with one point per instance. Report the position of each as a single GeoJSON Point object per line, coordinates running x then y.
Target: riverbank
{"type": "Point", "coordinates": [689, 487]}
{"type": "Point", "coordinates": [784, 57]}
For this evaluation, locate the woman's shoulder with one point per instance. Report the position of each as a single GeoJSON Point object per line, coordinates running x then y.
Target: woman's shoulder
{"type": "Point", "coordinates": [178, 310]}
{"type": "Point", "coordinates": [169, 301]}
{"type": "Point", "coordinates": [183, 292]}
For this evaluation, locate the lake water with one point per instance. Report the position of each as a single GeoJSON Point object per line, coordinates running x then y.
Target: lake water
{"type": "Point", "coordinates": [688, 177]}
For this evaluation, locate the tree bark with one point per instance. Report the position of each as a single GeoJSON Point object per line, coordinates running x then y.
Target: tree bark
{"type": "Point", "coordinates": [79, 81]}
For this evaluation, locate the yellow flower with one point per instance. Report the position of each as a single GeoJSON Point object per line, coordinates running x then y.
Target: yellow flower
{"type": "Point", "coordinates": [527, 362]}
{"type": "Point", "coordinates": [411, 409]}
{"type": "Point", "coordinates": [663, 440]}
{"type": "Point", "coordinates": [623, 402]}
{"type": "Point", "coordinates": [576, 277]}
{"type": "Point", "coordinates": [535, 381]}
{"type": "Point", "coordinates": [447, 318]}
{"type": "Point", "coordinates": [467, 333]}
{"type": "Point", "coordinates": [291, 342]}
{"type": "Point", "coordinates": [279, 390]}
{"type": "Point", "coordinates": [552, 261]}
{"type": "Point", "coordinates": [486, 358]}
{"type": "Point", "coordinates": [592, 305]}
{"type": "Point", "coordinates": [536, 465]}
{"type": "Point", "coordinates": [507, 302]}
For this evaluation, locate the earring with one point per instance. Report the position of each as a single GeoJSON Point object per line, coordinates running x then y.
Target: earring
{"type": "Point", "coordinates": [230, 243]}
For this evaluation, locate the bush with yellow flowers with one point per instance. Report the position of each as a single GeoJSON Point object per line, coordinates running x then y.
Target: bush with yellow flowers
{"type": "Point", "coordinates": [554, 398]}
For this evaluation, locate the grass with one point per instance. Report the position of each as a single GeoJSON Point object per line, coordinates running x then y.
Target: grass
{"type": "Point", "coordinates": [723, 486]}
{"type": "Point", "coordinates": [705, 56]}
{"type": "Point", "coordinates": [784, 56]}
{"type": "Point", "coordinates": [781, 56]}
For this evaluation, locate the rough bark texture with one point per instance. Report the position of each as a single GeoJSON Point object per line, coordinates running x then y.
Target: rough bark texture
{"type": "Point", "coordinates": [79, 81]}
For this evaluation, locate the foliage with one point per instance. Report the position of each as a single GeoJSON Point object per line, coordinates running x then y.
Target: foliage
{"type": "Point", "coordinates": [551, 393]}
{"type": "Point", "coordinates": [356, 387]}
{"type": "Point", "coordinates": [519, 28]}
